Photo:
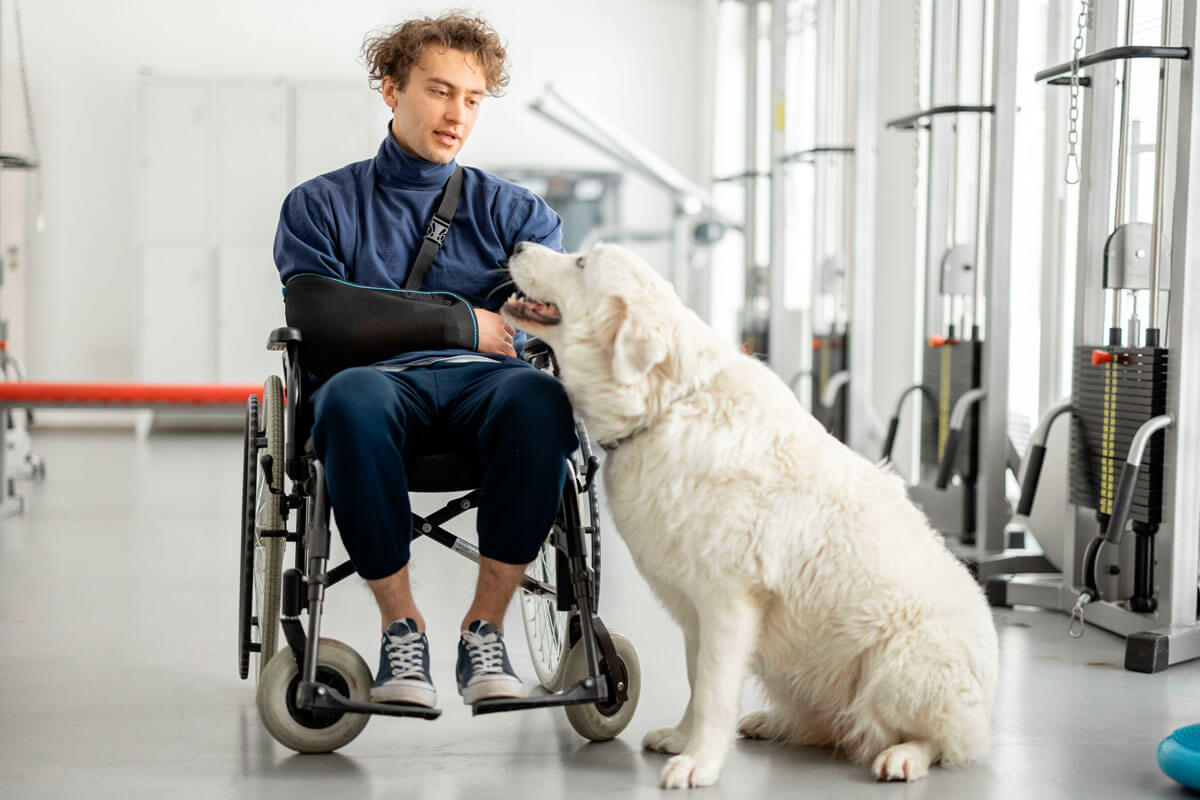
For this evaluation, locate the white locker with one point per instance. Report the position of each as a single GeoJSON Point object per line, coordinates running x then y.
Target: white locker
{"type": "Point", "coordinates": [218, 157]}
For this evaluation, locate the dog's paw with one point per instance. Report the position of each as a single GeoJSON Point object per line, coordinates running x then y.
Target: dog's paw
{"type": "Point", "coordinates": [902, 762]}
{"type": "Point", "coordinates": [758, 725]}
{"type": "Point", "coordinates": [682, 772]}
{"type": "Point", "coordinates": [664, 740]}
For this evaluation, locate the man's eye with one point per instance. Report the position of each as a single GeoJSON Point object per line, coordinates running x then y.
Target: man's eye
{"type": "Point", "coordinates": [579, 262]}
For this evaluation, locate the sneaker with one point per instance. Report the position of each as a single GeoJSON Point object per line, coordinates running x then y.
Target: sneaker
{"type": "Point", "coordinates": [404, 667]}
{"type": "Point", "coordinates": [483, 669]}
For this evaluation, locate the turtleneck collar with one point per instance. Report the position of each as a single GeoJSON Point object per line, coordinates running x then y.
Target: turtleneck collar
{"type": "Point", "coordinates": [394, 167]}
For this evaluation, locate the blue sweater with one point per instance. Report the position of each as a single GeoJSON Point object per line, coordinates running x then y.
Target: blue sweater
{"type": "Point", "coordinates": [364, 223]}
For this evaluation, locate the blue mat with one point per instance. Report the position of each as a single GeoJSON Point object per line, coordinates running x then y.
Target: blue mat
{"type": "Point", "coordinates": [1179, 756]}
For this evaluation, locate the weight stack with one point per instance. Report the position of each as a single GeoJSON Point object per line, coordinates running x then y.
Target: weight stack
{"type": "Point", "coordinates": [830, 356]}
{"type": "Point", "coordinates": [951, 370]}
{"type": "Point", "coordinates": [1109, 402]}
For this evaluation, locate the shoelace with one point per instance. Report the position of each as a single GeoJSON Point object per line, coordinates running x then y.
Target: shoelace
{"type": "Point", "coordinates": [486, 652]}
{"type": "Point", "coordinates": [406, 655]}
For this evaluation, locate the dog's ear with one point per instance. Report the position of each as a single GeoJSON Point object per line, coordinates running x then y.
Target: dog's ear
{"type": "Point", "coordinates": [639, 346]}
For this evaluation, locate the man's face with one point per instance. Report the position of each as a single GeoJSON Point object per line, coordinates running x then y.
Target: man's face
{"type": "Point", "coordinates": [436, 110]}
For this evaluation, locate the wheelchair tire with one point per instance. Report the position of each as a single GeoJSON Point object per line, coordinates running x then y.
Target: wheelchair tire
{"type": "Point", "coordinates": [247, 538]}
{"type": "Point", "coordinates": [546, 628]}
{"type": "Point", "coordinates": [307, 731]}
{"type": "Point", "coordinates": [603, 721]}
{"type": "Point", "coordinates": [268, 550]}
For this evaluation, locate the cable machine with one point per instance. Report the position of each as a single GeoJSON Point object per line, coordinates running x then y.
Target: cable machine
{"type": "Point", "coordinates": [1134, 461]}
{"type": "Point", "coordinates": [841, 157]}
{"type": "Point", "coordinates": [964, 449]}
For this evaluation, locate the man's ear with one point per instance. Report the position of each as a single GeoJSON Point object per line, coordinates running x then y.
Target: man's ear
{"type": "Point", "coordinates": [638, 347]}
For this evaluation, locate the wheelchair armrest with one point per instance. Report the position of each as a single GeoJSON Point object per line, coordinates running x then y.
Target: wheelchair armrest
{"type": "Point", "coordinates": [280, 338]}
{"type": "Point", "coordinates": [539, 354]}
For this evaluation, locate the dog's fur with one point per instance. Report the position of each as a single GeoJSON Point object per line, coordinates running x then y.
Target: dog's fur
{"type": "Point", "coordinates": [775, 547]}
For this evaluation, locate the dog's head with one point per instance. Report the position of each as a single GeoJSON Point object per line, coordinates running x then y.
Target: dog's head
{"type": "Point", "coordinates": [616, 327]}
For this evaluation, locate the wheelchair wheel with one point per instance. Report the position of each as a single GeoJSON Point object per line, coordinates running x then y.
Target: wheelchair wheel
{"type": "Point", "coordinates": [545, 625]}
{"type": "Point", "coordinates": [246, 560]}
{"type": "Point", "coordinates": [603, 721]}
{"type": "Point", "coordinates": [268, 550]}
{"type": "Point", "coordinates": [261, 561]}
{"type": "Point", "coordinates": [338, 666]}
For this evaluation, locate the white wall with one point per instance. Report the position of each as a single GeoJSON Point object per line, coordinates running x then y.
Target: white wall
{"type": "Point", "coordinates": [637, 62]}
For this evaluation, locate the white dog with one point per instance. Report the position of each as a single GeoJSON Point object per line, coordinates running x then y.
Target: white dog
{"type": "Point", "coordinates": [775, 547]}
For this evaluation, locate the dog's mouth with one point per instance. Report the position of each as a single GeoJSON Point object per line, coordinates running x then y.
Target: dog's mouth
{"type": "Point", "coordinates": [526, 308]}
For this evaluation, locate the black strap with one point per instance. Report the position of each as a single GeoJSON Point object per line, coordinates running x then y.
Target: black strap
{"type": "Point", "coordinates": [436, 232]}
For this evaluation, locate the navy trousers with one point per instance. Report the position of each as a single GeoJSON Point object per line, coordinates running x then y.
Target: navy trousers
{"type": "Point", "coordinates": [514, 419]}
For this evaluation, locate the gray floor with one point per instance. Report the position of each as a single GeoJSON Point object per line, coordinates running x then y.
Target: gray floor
{"type": "Point", "coordinates": [118, 675]}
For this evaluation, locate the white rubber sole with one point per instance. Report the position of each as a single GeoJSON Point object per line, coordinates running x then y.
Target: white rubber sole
{"type": "Point", "coordinates": [490, 688]}
{"type": "Point", "coordinates": [405, 691]}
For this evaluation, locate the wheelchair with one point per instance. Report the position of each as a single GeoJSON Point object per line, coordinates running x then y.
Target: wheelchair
{"type": "Point", "coordinates": [312, 692]}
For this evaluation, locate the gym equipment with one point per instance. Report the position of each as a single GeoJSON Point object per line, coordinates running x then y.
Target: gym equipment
{"type": "Point", "coordinates": [964, 449]}
{"type": "Point", "coordinates": [1135, 399]}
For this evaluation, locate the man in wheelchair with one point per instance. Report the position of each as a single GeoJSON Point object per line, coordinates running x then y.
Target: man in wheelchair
{"type": "Point", "coordinates": [444, 375]}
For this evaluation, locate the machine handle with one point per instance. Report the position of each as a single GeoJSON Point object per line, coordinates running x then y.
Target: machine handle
{"type": "Point", "coordinates": [1033, 471]}
{"type": "Point", "coordinates": [1129, 474]}
{"type": "Point", "coordinates": [947, 464]}
{"type": "Point", "coordinates": [1114, 54]}
{"type": "Point", "coordinates": [890, 440]}
{"type": "Point", "coordinates": [1037, 453]}
{"type": "Point", "coordinates": [958, 420]}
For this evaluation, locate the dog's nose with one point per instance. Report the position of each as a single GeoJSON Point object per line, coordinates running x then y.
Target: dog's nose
{"type": "Point", "coordinates": [519, 247]}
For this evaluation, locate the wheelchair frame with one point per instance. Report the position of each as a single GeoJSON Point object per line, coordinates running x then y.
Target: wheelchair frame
{"type": "Point", "coordinates": [607, 682]}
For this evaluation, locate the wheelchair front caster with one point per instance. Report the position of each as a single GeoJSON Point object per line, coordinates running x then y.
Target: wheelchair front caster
{"type": "Point", "coordinates": [338, 666]}
{"type": "Point", "coordinates": [603, 721]}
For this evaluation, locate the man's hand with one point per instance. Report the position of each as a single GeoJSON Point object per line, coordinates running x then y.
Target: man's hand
{"type": "Point", "coordinates": [495, 335]}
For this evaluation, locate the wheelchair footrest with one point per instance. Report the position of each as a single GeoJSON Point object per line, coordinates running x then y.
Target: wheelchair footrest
{"type": "Point", "coordinates": [326, 698]}
{"type": "Point", "coordinates": [588, 690]}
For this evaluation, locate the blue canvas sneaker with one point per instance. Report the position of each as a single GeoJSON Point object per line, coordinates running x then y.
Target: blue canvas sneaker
{"type": "Point", "coordinates": [483, 669]}
{"type": "Point", "coordinates": [404, 667]}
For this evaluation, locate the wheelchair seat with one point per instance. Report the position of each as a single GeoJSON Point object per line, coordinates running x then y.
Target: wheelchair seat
{"type": "Point", "coordinates": [437, 471]}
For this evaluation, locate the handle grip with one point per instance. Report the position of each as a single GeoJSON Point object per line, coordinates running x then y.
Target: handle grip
{"type": "Point", "coordinates": [947, 465]}
{"type": "Point", "coordinates": [1121, 503]}
{"type": "Point", "coordinates": [890, 440]}
{"type": "Point", "coordinates": [1037, 454]}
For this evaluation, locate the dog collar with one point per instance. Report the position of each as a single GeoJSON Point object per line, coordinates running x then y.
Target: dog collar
{"type": "Point", "coordinates": [613, 444]}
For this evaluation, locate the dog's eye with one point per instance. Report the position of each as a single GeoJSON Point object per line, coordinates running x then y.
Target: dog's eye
{"type": "Point", "coordinates": [579, 262]}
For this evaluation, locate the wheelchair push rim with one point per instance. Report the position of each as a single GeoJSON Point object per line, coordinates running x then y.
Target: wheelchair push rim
{"type": "Point", "coordinates": [546, 626]}
{"type": "Point", "coordinates": [261, 555]}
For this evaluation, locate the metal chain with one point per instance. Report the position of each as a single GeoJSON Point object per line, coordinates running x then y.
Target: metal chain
{"type": "Point", "coordinates": [1069, 175]}
{"type": "Point", "coordinates": [34, 150]}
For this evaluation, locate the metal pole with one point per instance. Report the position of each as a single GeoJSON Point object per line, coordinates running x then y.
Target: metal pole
{"type": "Point", "coordinates": [846, 166]}
{"type": "Point", "coordinates": [777, 351]}
{"type": "Point", "coordinates": [750, 201]}
{"type": "Point", "coordinates": [861, 280]}
{"type": "Point", "coordinates": [939, 207]}
{"type": "Point", "coordinates": [1159, 169]}
{"type": "Point", "coordinates": [1123, 154]}
{"type": "Point", "coordinates": [992, 508]}
{"type": "Point", "coordinates": [1183, 391]}
{"type": "Point", "coordinates": [981, 187]}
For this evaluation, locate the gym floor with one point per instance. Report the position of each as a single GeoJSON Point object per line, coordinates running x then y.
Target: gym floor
{"type": "Point", "coordinates": [118, 669]}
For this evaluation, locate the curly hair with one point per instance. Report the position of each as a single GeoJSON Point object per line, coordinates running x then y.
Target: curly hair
{"type": "Point", "coordinates": [394, 52]}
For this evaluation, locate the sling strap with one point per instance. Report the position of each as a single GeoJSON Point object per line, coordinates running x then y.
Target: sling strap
{"type": "Point", "coordinates": [435, 234]}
